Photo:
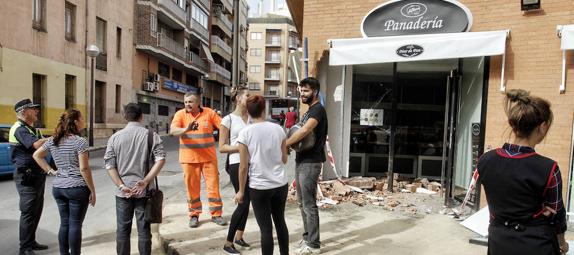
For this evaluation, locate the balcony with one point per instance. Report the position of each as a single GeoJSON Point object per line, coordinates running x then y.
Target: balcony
{"type": "Point", "coordinates": [273, 42]}
{"type": "Point", "coordinates": [228, 5]}
{"type": "Point", "coordinates": [293, 44]}
{"type": "Point", "coordinates": [272, 60]}
{"type": "Point", "coordinates": [218, 46]}
{"type": "Point", "coordinates": [220, 74]}
{"type": "Point", "coordinates": [102, 62]}
{"type": "Point", "coordinates": [173, 8]}
{"type": "Point", "coordinates": [223, 23]}
{"type": "Point", "coordinates": [199, 29]}
{"type": "Point", "coordinates": [272, 77]}
{"type": "Point", "coordinates": [205, 4]}
{"type": "Point", "coordinates": [161, 46]}
{"type": "Point", "coordinates": [272, 91]}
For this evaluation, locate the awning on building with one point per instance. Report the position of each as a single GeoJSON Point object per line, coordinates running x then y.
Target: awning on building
{"type": "Point", "coordinates": [207, 53]}
{"type": "Point", "coordinates": [419, 47]}
{"type": "Point", "coordinates": [566, 34]}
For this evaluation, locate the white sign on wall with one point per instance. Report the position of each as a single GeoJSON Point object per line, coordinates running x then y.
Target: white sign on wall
{"type": "Point", "coordinates": [338, 94]}
{"type": "Point", "coordinates": [371, 117]}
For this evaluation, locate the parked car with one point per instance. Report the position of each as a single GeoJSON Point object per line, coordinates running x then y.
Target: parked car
{"type": "Point", "coordinates": [6, 166]}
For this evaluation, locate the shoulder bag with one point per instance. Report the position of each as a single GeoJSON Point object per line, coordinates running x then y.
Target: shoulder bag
{"type": "Point", "coordinates": [154, 205]}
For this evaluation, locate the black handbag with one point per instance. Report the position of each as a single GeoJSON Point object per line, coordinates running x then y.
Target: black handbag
{"type": "Point", "coordinates": [228, 137]}
{"type": "Point", "coordinates": [154, 203]}
{"type": "Point", "coordinates": [308, 142]}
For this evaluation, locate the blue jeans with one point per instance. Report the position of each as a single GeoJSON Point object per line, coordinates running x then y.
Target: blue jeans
{"type": "Point", "coordinates": [125, 210]}
{"type": "Point", "coordinates": [73, 205]}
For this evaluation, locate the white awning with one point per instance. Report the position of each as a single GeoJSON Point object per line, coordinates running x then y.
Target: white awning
{"type": "Point", "coordinates": [429, 47]}
{"type": "Point", "coordinates": [207, 53]}
{"type": "Point", "coordinates": [435, 46]}
{"type": "Point", "coordinates": [566, 34]}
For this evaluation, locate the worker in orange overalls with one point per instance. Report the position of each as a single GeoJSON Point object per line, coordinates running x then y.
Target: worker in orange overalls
{"type": "Point", "coordinates": [194, 125]}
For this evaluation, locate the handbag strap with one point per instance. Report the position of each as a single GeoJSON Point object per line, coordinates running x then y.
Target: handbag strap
{"type": "Point", "coordinates": [149, 154]}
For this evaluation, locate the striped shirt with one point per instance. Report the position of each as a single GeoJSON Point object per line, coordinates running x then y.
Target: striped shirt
{"type": "Point", "coordinates": [66, 157]}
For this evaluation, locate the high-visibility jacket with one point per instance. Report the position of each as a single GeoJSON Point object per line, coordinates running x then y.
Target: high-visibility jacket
{"type": "Point", "coordinates": [197, 146]}
{"type": "Point", "coordinates": [12, 137]}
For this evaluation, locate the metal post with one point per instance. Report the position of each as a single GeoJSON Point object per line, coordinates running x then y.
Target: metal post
{"type": "Point", "coordinates": [91, 105]}
{"type": "Point", "coordinates": [236, 37]}
{"type": "Point", "coordinates": [306, 56]}
{"type": "Point", "coordinates": [392, 131]}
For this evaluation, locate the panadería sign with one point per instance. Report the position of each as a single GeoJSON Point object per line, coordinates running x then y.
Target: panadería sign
{"type": "Point", "coordinates": [411, 17]}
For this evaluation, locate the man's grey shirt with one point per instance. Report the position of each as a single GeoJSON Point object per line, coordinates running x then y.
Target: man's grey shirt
{"type": "Point", "coordinates": [126, 152]}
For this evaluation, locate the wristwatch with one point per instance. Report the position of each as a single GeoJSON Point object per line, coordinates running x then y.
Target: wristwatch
{"type": "Point", "coordinates": [121, 187]}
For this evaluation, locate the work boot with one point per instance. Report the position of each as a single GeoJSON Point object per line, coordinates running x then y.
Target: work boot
{"type": "Point", "coordinates": [38, 247]}
{"type": "Point", "coordinates": [194, 222]}
{"type": "Point", "coordinates": [219, 221]}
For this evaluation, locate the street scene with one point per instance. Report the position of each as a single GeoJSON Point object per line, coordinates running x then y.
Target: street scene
{"type": "Point", "coordinates": [286, 127]}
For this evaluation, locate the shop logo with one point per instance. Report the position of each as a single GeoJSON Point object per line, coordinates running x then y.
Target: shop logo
{"type": "Point", "coordinates": [413, 10]}
{"type": "Point", "coordinates": [475, 129]}
{"type": "Point", "coordinates": [410, 51]}
{"type": "Point", "coordinates": [414, 17]}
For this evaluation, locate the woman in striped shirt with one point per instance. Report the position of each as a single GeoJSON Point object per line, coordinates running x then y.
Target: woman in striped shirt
{"type": "Point", "coordinates": [73, 187]}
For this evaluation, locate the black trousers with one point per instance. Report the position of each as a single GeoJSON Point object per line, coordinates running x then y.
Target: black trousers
{"type": "Point", "coordinates": [532, 240]}
{"type": "Point", "coordinates": [31, 194]}
{"type": "Point", "coordinates": [270, 204]}
{"type": "Point", "coordinates": [125, 210]}
{"type": "Point", "coordinates": [239, 216]}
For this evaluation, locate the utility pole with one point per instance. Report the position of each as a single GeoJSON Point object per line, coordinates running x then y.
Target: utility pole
{"type": "Point", "coordinates": [236, 37]}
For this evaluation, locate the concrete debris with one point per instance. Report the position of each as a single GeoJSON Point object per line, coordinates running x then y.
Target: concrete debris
{"type": "Point", "coordinates": [407, 196]}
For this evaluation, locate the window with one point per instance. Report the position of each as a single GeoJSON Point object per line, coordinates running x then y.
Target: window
{"type": "Point", "coordinates": [163, 110]}
{"type": "Point", "coordinates": [199, 15]}
{"type": "Point", "coordinates": [175, 74]}
{"type": "Point", "coordinates": [146, 108]}
{"type": "Point", "coordinates": [153, 24]}
{"type": "Point", "coordinates": [163, 69]}
{"type": "Point", "coordinates": [100, 102]}
{"type": "Point", "coordinates": [101, 35]}
{"type": "Point", "coordinates": [118, 98]}
{"type": "Point", "coordinates": [256, 36]}
{"type": "Point", "coordinates": [180, 3]}
{"type": "Point", "coordinates": [255, 69]}
{"type": "Point", "coordinates": [70, 91]}
{"type": "Point", "coordinates": [256, 52]}
{"type": "Point", "coordinates": [272, 73]}
{"type": "Point", "coordinates": [274, 39]}
{"type": "Point", "coordinates": [254, 86]}
{"type": "Point", "coordinates": [273, 56]}
{"type": "Point", "coordinates": [39, 97]}
{"type": "Point", "coordinates": [70, 19]}
{"type": "Point", "coordinates": [39, 15]}
{"type": "Point", "coordinates": [118, 42]}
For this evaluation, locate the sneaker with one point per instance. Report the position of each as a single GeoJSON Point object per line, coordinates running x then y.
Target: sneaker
{"type": "Point", "coordinates": [243, 244]}
{"type": "Point", "coordinates": [194, 222]}
{"type": "Point", "coordinates": [300, 245]}
{"type": "Point", "coordinates": [230, 249]}
{"type": "Point", "coordinates": [219, 221]}
{"type": "Point", "coordinates": [308, 250]}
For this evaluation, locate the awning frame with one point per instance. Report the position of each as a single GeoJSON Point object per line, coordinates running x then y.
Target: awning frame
{"type": "Point", "coordinates": [343, 51]}
{"type": "Point", "coordinates": [565, 32]}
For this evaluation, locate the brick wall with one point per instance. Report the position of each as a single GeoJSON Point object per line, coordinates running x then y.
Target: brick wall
{"type": "Point", "coordinates": [533, 57]}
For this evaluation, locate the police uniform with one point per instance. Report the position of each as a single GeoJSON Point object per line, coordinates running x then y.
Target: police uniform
{"type": "Point", "coordinates": [29, 177]}
{"type": "Point", "coordinates": [518, 184]}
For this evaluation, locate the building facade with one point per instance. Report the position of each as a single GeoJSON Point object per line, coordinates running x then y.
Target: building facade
{"type": "Point", "coordinates": [171, 55]}
{"type": "Point", "coordinates": [272, 41]}
{"type": "Point", "coordinates": [423, 86]}
{"type": "Point", "coordinates": [43, 58]}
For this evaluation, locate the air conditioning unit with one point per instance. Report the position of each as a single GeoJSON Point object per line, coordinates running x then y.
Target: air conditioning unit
{"type": "Point", "coordinates": [157, 77]}
{"type": "Point", "coordinates": [156, 86]}
{"type": "Point", "coordinates": [149, 86]}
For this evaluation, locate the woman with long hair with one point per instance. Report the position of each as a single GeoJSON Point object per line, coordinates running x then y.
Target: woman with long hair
{"type": "Point", "coordinates": [263, 152]}
{"type": "Point", "coordinates": [73, 187]}
{"type": "Point", "coordinates": [231, 125]}
{"type": "Point", "coordinates": [524, 188]}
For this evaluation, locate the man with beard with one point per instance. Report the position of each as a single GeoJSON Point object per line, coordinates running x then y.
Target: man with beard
{"type": "Point", "coordinates": [309, 164]}
{"type": "Point", "coordinates": [194, 125]}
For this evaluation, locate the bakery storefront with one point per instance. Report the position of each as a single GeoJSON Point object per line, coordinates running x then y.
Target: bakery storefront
{"type": "Point", "coordinates": [408, 84]}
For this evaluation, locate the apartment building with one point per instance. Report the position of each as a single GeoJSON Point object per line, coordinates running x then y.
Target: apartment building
{"type": "Point", "coordinates": [42, 58]}
{"type": "Point", "coordinates": [171, 55]}
{"type": "Point", "coordinates": [216, 92]}
{"type": "Point", "coordinates": [272, 41]}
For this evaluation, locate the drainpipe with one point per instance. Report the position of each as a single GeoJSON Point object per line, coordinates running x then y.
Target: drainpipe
{"type": "Point", "coordinates": [236, 38]}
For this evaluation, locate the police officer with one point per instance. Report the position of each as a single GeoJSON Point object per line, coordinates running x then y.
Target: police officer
{"type": "Point", "coordinates": [29, 177]}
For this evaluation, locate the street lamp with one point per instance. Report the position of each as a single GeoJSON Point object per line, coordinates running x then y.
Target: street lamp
{"type": "Point", "coordinates": [92, 51]}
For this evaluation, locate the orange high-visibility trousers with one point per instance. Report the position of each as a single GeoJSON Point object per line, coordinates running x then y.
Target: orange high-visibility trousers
{"type": "Point", "coordinates": [192, 173]}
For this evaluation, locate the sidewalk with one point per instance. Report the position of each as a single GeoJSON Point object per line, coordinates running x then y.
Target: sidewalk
{"type": "Point", "coordinates": [346, 228]}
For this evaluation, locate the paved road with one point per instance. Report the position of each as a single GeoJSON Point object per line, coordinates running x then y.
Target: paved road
{"type": "Point", "coordinates": [99, 226]}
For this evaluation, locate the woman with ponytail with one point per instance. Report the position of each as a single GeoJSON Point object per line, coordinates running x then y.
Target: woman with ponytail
{"type": "Point", "coordinates": [524, 188]}
{"type": "Point", "coordinates": [73, 187]}
{"type": "Point", "coordinates": [231, 125]}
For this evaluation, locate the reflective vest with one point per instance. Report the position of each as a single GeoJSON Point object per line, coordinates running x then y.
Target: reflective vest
{"type": "Point", "coordinates": [198, 146]}
{"type": "Point", "coordinates": [12, 137]}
